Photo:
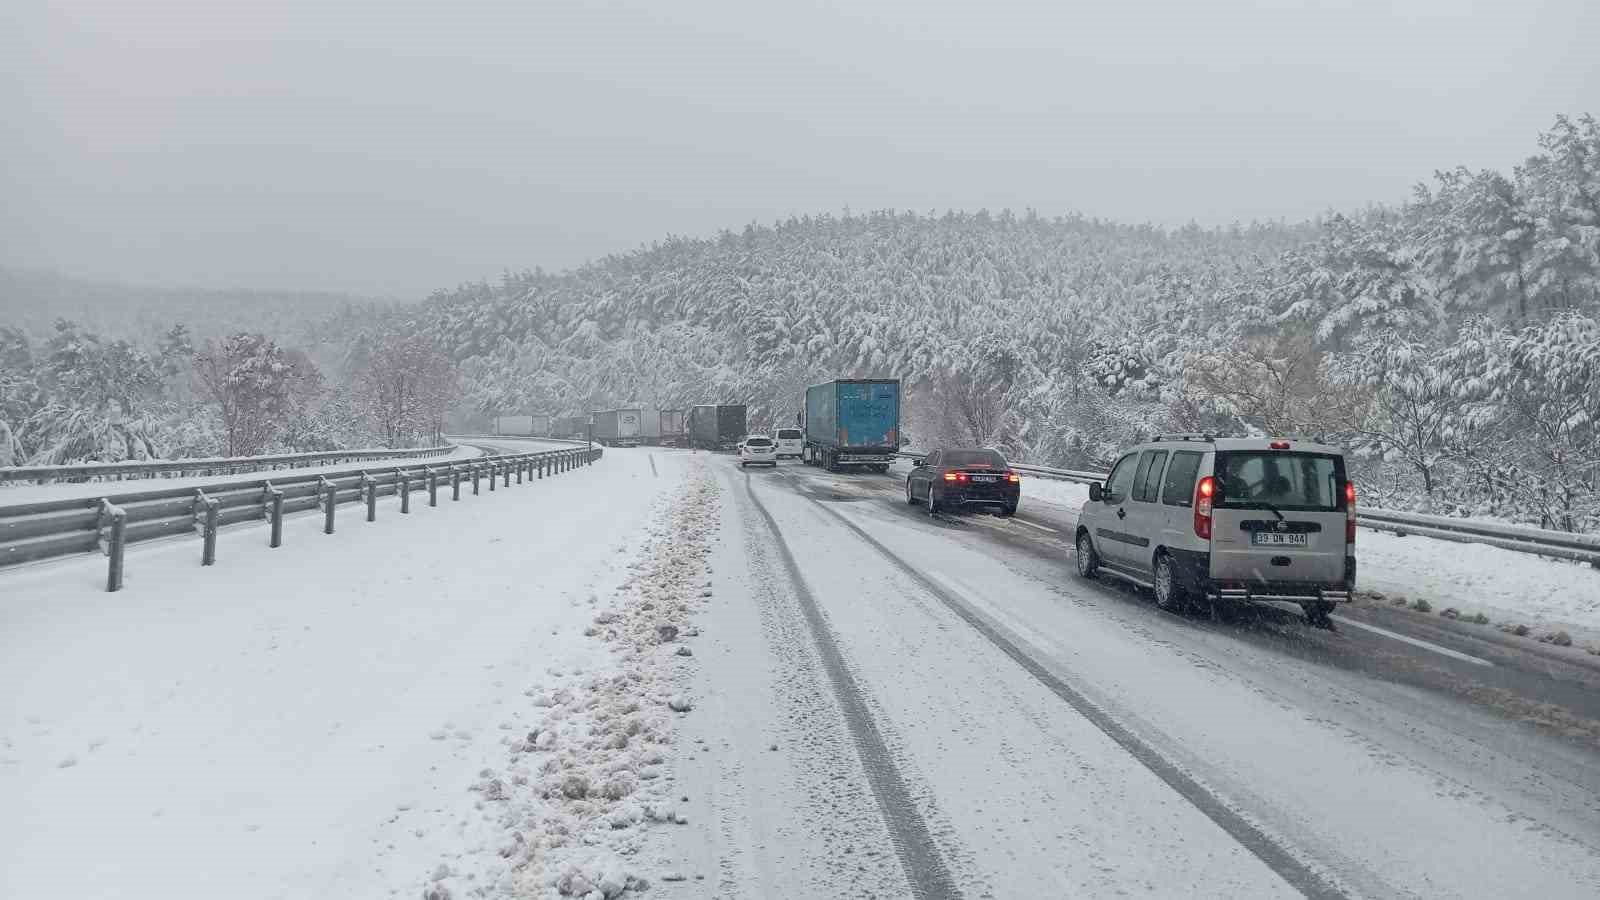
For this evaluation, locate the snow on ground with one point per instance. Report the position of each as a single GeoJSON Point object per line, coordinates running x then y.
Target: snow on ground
{"type": "Point", "coordinates": [11, 492]}
{"type": "Point", "coordinates": [1504, 585]}
{"type": "Point", "coordinates": [348, 716]}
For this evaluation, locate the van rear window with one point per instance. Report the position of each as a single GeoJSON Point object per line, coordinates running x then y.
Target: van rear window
{"type": "Point", "coordinates": [789, 434]}
{"type": "Point", "coordinates": [1273, 478]}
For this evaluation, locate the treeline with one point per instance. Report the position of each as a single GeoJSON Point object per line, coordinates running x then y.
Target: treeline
{"type": "Point", "coordinates": [78, 397]}
{"type": "Point", "coordinates": [1450, 341]}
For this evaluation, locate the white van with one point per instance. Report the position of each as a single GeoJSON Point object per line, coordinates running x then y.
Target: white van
{"type": "Point", "coordinates": [1214, 518]}
{"type": "Point", "coordinates": [791, 443]}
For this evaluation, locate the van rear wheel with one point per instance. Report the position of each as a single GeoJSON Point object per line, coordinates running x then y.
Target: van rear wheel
{"type": "Point", "coordinates": [1171, 595]}
{"type": "Point", "coordinates": [1320, 614]}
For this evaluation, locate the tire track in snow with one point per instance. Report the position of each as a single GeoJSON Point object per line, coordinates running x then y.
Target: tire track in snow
{"type": "Point", "coordinates": [925, 868]}
{"type": "Point", "coordinates": [1264, 847]}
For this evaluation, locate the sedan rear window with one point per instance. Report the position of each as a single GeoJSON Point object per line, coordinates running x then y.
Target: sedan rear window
{"type": "Point", "coordinates": [1274, 479]}
{"type": "Point", "coordinates": [987, 458]}
{"type": "Point", "coordinates": [758, 442]}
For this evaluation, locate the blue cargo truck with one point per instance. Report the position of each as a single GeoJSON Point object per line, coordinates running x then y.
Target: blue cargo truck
{"type": "Point", "coordinates": [852, 422]}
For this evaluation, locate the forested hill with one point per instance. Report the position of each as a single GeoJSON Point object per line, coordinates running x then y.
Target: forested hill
{"type": "Point", "coordinates": [1451, 340]}
{"type": "Point", "coordinates": [756, 314]}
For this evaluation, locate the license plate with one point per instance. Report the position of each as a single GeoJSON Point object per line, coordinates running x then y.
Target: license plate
{"type": "Point", "coordinates": [1280, 539]}
{"type": "Point", "coordinates": [985, 478]}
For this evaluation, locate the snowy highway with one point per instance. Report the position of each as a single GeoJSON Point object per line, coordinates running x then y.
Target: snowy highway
{"type": "Point", "coordinates": [667, 674]}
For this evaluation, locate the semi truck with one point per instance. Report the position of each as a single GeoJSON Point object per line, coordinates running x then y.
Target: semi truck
{"type": "Point", "coordinates": [618, 427]}
{"type": "Point", "coordinates": [718, 427]}
{"type": "Point", "coordinates": [522, 426]}
{"type": "Point", "coordinates": [674, 427]}
{"type": "Point", "coordinates": [649, 426]}
{"type": "Point", "coordinates": [852, 422]}
{"type": "Point", "coordinates": [573, 427]}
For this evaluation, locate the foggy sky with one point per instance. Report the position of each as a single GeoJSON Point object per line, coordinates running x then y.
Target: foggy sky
{"type": "Point", "coordinates": [393, 147]}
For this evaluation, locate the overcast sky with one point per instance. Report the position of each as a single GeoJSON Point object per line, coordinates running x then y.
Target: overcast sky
{"type": "Point", "coordinates": [394, 147]}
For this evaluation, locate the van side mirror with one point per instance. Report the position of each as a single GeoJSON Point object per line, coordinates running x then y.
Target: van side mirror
{"type": "Point", "coordinates": [1096, 492]}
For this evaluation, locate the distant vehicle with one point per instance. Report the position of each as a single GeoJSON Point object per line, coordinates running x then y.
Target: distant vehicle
{"type": "Point", "coordinates": [618, 427]}
{"type": "Point", "coordinates": [1214, 518]}
{"type": "Point", "coordinates": [791, 443]}
{"type": "Point", "coordinates": [852, 422]}
{"type": "Point", "coordinates": [703, 427]}
{"type": "Point", "coordinates": [960, 477]}
{"type": "Point", "coordinates": [649, 426]}
{"type": "Point", "coordinates": [716, 427]}
{"type": "Point", "coordinates": [674, 427]}
{"type": "Point", "coordinates": [757, 449]}
{"type": "Point", "coordinates": [524, 426]}
{"type": "Point", "coordinates": [570, 427]}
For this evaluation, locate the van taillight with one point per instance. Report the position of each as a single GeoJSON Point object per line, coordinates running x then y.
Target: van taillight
{"type": "Point", "coordinates": [1204, 492]}
{"type": "Point", "coordinates": [1349, 512]}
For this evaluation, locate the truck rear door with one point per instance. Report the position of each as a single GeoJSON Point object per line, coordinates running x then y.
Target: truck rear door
{"type": "Point", "coordinates": [869, 414]}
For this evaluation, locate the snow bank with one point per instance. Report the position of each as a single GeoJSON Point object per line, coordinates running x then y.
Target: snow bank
{"type": "Point", "coordinates": [345, 716]}
{"type": "Point", "coordinates": [1504, 584]}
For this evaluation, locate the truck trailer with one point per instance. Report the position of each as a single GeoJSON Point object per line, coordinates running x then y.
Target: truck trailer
{"type": "Point", "coordinates": [716, 427]}
{"type": "Point", "coordinates": [852, 422]}
{"type": "Point", "coordinates": [618, 427]}
{"type": "Point", "coordinates": [570, 427]}
{"type": "Point", "coordinates": [522, 426]}
{"type": "Point", "coordinates": [674, 428]}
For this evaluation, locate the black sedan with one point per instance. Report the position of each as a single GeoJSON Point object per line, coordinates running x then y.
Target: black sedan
{"type": "Point", "coordinates": [964, 477]}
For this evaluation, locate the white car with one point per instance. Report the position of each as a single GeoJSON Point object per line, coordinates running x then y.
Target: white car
{"type": "Point", "coordinates": [791, 443]}
{"type": "Point", "coordinates": [758, 449]}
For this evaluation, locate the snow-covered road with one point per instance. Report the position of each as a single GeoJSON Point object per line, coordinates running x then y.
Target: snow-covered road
{"type": "Point", "coordinates": [663, 674]}
{"type": "Point", "coordinates": [1061, 739]}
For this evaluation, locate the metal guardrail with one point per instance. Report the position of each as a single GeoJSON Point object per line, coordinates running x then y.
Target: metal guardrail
{"type": "Point", "coordinates": [58, 528]}
{"type": "Point", "coordinates": [207, 466]}
{"type": "Point", "coordinates": [1520, 538]}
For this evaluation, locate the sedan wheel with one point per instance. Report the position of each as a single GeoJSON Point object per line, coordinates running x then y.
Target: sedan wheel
{"type": "Point", "coordinates": [933, 505]}
{"type": "Point", "coordinates": [910, 499]}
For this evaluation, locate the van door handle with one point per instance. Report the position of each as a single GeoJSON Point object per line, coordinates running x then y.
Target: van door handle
{"type": "Point", "coordinates": [1122, 513]}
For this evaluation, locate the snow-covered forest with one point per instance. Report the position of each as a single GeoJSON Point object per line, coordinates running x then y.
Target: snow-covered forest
{"type": "Point", "coordinates": [76, 396]}
{"type": "Point", "coordinates": [1451, 341]}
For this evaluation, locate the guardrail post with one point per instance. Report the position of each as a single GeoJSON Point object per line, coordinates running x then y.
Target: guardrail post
{"type": "Point", "coordinates": [207, 507]}
{"type": "Point", "coordinates": [506, 473]}
{"type": "Point", "coordinates": [455, 482]}
{"type": "Point", "coordinates": [403, 484]}
{"type": "Point", "coordinates": [433, 485]}
{"type": "Point", "coordinates": [117, 523]}
{"type": "Point", "coordinates": [325, 490]}
{"type": "Point", "coordinates": [494, 474]}
{"type": "Point", "coordinates": [370, 486]}
{"type": "Point", "coordinates": [275, 515]}
{"type": "Point", "coordinates": [538, 464]}
{"type": "Point", "coordinates": [476, 471]}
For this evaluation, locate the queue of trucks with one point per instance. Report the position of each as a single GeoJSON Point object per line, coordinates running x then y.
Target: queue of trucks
{"type": "Point", "coordinates": [847, 423]}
